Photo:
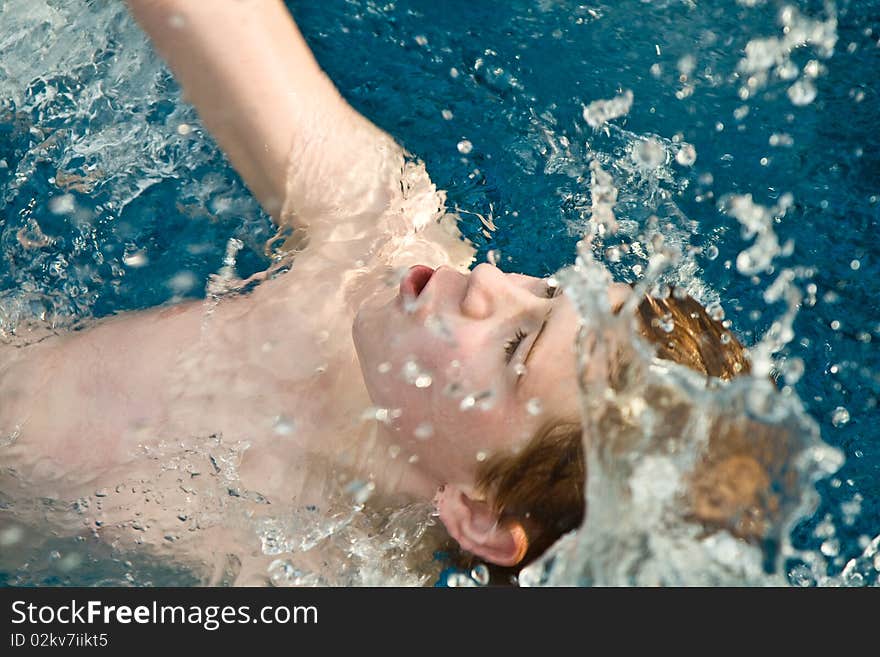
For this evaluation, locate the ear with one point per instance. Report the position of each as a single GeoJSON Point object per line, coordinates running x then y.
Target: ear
{"type": "Point", "coordinates": [477, 529]}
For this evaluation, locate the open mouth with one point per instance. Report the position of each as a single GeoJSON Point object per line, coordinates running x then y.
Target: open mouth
{"type": "Point", "coordinates": [415, 281]}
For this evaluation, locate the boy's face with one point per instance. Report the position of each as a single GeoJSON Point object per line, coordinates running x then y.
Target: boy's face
{"type": "Point", "coordinates": [468, 364]}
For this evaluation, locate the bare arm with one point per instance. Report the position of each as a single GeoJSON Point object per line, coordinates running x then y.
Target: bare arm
{"type": "Point", "coordinates": [303, 151]}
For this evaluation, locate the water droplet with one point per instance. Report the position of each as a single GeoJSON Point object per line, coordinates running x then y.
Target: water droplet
{"type": "Point", "coordinates": [715, 311]}
{"type": "Point", "coordinates": [283, 426]}
{"type": "Point", "coordinates": [11, 535]}
{"type": "Point", "coordinates": [376, 413]}
{"type": "Point", "coordinates": [63, 204]}
{"type": "Point", "coordinates": [649, 153]}
{"type": "Point", "coordinates": [686, 155]}
{"type": "Point", "coordinates": [453, 72]}
{"type": "Point", "coordinates": [854, 265]}
{"type": "Point", "coordinates": [467, 403]}
{"type": "Point", "coordinates": [665, 323]}
{"type": "Point", "coordinates": [182, 282]}
{"type": "Point", "coordinates": [480, 574]}
{"type": "Point", "coordinates": [184, 129]}
{"type": "Point", "coordinates": [482, 455]}
{"type": "Point", "coordinates": [781, 139]}
{"type": "Point", "coordinates": [830, 548]}
{"type": "Point", "coordinates": [446, 114]}
{"type": "Point", "coordinates": [534, 406]}
{"type": "Point", "coordinates": [424, 431]}
{"type": "Point", "coordinates": [70, 561]}
{"type": "Point", "coordinates": [465, 147]}
{"type": "Point", "coordinates": [423, 381]}
{"type": "Point", "coordinates": [421, 39]}
{"type": "Point", "coordinates": [835, 325]}
{"type": "Point", "coordinates": [394, 451]}
{"type": "Point", "coordinates": [597, 113]}
{"type": "Point", "coordinates": [741, 112]}
{"type": "Point", "coordinates": [459, 580]}
{"type": "Point", "coordinates": [361, 491]}
{"type": "Point", "coordinates": [384, 368]}
{"type": "Point", "coordinates": [176, 21]}
{"type": "Point", "coordinates": [840, 416]}
{"type": "Point", "coordinates": [802, 92]}
{"type": "Point", "coordinates": [519, 369]}
{"type": "Point", "coordinates": [134, 258]}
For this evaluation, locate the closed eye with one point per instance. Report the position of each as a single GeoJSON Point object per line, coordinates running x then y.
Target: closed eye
{"type": "Point", "coordinates": [513, 344]}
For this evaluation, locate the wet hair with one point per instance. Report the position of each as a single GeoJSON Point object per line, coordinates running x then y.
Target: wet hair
{"type": "Point", "coordinates": [542, 485]}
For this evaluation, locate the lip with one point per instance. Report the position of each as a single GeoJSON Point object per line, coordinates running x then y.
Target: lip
{"type": "Point", "coordinates": [415, 281]}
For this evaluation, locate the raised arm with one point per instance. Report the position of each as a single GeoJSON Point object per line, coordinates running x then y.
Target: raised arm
{"type": "Point", "coordinates": [302, 150]}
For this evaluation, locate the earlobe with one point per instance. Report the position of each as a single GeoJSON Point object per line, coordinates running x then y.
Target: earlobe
{"type": "Point", "coordinates": [477, 528]}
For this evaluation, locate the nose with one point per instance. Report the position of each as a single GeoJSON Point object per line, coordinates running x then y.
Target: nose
{"type": "Point", "coordinates": [491, 291]}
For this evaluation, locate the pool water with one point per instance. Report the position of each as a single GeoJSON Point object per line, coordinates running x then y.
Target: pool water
{"type": "Point", "coordinates": [742, 127]}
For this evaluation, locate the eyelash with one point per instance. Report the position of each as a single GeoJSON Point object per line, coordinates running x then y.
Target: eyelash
{"type": "Point", "coordinates": [512, 345]}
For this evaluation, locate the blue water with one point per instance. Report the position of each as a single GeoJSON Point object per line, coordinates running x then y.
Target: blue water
{"type": "Point", "coordinates": [515, 77]}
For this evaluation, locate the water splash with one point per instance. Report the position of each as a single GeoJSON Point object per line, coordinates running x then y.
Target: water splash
{"type": "Point", "coordinates": [655, 436]}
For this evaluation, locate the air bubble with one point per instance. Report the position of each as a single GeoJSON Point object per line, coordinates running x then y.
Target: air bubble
{"type": "Point", "coordinates": [446, 114]}
{"type": "Point", "coordinates": [184, 129]}
{"type": "Point", "coordinates": [712, 252]}
{"type": "Point", "coordinates": [465, 146]}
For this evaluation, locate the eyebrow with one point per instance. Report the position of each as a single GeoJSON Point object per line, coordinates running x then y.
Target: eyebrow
{"type": "Point", "coordinates": [535, 344]}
